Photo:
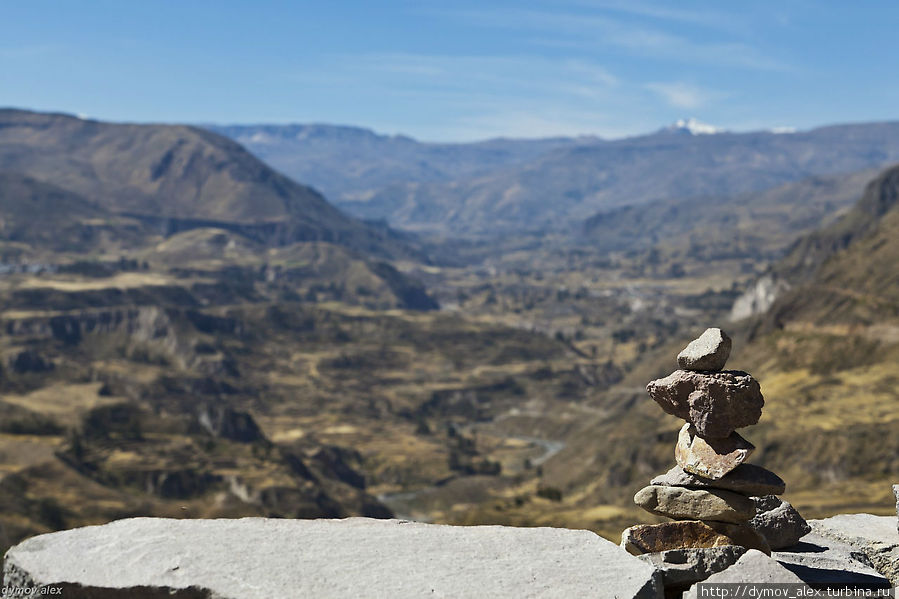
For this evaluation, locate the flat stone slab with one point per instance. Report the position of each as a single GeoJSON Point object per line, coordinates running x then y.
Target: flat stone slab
{"type": "Point", "coordinates": [695, 504]}
{"type": "Point", "coordinates": [875, 536]}
{"type": "Point", "coordinates": [260, 558]}
{"type": "Point", "coordinates": [819, 561]}
{"type": "Point", "coordinates": [746, 479]}
{"type": "Point", "coordinates": [709, 351]}
{"type": "Point", "coordinates": [715, 403]}
{"type": "Point", "coordinates": [710, 458]}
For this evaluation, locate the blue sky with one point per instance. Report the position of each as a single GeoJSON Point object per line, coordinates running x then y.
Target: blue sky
{"type": "Point", "coordinates": [460, 70]}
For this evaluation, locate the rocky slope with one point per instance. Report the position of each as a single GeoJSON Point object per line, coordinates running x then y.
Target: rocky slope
{"type": "Point", "coordinates": [841, 272]}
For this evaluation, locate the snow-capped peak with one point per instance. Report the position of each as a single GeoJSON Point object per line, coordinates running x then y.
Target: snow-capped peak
{"type": "Point", "coordinates": [694, 127]}
{"type": "Point", "coordinates": [259, 137]}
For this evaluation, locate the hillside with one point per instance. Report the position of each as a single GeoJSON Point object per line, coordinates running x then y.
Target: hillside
{"type": "Point", "coordinates": [176, 177]}
{"type": "Point", "coordinates": [37, 218]}
{"type": "Point", "coordinates": [825, 354]}
{"type": "Point", "coordinates": [807, 256]}
{"type": "Point", "coordinates": [828, 346]}
{"type": "Point", "coordinates": [312, 270]}
{"type": "Point", "coordinates": [762, 224]}
{"type": "Point", "coordinates": [871, 215]}
{"type": "Point", "coordinates": [568, 185]}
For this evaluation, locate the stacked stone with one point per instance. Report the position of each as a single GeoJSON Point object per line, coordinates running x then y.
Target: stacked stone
{"type": "Point", "coordinates": [714, 496]}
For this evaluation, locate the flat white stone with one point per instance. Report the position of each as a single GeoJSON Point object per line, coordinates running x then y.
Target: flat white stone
{"type": "Point", "coordinates": [820, 560]}
{"type": "Point", "coordinates": [858, 528]}
{"type": "Point", "coordinates": [262, 558]}
{"type": "Point", "coordinates": [876, 536]}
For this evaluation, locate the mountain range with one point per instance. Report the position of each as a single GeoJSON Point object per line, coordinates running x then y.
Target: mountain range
{"type": "Point", "coordinates": [349, 163]}
{"type": "Point", "coordinates": [514, 186]}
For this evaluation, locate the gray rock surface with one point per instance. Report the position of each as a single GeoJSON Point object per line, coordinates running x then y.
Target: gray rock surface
{"type": "Point", "coordinates": [754, 567]}
{"type": "Point", "coordinates": [896, 493]}
{"type": "Point", "coordinates": [759, 297]}
{"type": "Point", "coordinates": [741, 534]}
{"type": "Point", "coordinates": [711, 458]}
{"type": "Point", "coordinates": [746, 479]}
{"type": "Point", "coordinates": [875, 536]}
{"type": "Point", "coordinates": [681, 567]}
{"type": "Point", "coordinates": [709, 351]}
{"type": "Point", "coordinates": [263, 558]}
{"type": "Point", "coordinates": [715, 403]}
{"type": "Point", "coordinates": [695, 504]}
{"type": "Point", "coordinates": [823, 561]}
{"type": "Point", "coordinates": [778, 521]}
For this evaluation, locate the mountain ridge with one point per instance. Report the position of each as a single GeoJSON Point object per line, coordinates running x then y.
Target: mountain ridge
{"type": "Point", "coordinates": [841, 273]}
{"type": "Point", "coordinates": [755, 224]}
{"type": "Point", "coordinates": [176, 177]}
{"type": "Point", "coordinates": [566, 182]}
{"type": "Point", "coordinates": [348, 162]}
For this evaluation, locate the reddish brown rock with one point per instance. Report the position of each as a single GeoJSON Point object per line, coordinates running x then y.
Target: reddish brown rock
{"type": "Point", "coordinates": [695, 504]}
{"type": "Point", "coordinates": [684, 534]}
{"type": "Point", "coordinates": [746, 479]}
{"type": "Point", "coordinates": [715, 403]}
{"type": "Point", "coordinates": [711, 458]}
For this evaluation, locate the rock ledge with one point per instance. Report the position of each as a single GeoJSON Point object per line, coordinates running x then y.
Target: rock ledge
{"type": "Point", "coordinates": [254, 558]}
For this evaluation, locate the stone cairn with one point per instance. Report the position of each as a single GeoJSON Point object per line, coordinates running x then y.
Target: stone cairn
{"type": "Point", "coordinates": [713, 496]}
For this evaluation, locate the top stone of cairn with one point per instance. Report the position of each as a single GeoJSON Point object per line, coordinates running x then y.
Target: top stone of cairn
{"type": "Point", "coordinates": [709, 351]}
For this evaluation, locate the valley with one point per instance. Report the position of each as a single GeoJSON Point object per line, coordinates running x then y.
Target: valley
{"type": "Point", "coordinates": [199, 359]}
